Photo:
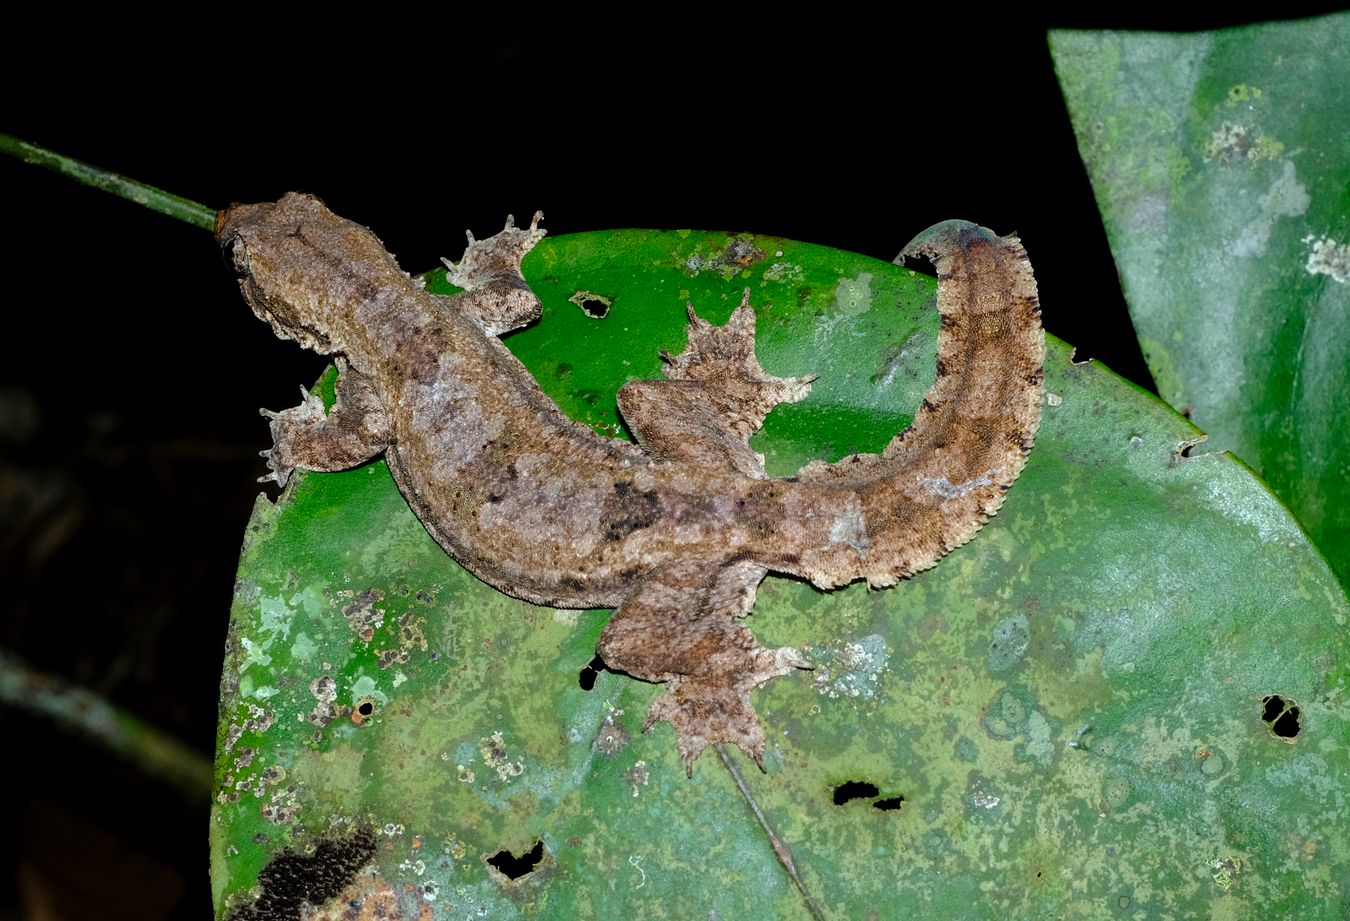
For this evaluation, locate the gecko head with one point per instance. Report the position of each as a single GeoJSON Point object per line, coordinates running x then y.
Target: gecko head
{"type": "Point", "coordinates": [272, 247]}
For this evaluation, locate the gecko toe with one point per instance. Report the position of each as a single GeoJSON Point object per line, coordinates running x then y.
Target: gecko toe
{"type": "Point", "coordinates": [705, 710]}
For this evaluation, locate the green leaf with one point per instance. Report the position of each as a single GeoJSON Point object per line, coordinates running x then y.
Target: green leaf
{"type": "Point", "coordinates": [1070, 716]}
{"type": "Point", "coordinates": [1221, 165]}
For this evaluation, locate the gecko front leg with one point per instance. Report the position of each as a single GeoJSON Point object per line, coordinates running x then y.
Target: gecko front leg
{"type": "Point", "coordinates": [682, 626]}
{"type": "Point", "coordinates": [355, 431]}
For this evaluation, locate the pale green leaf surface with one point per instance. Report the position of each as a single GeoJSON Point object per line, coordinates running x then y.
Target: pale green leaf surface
{"type": "Point", "coordinates": [1221, 165]}
{"type": "Point", "coordinates": [1067, 711]}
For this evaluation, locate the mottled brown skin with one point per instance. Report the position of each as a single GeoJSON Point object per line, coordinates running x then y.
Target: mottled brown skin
{"type": "Point", "coordinates": [677, 531]}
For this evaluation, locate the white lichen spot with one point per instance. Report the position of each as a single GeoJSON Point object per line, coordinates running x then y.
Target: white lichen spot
{"type": "Point", "coordinates": [984, 799]}
{"type": "Point", "coordinates": [1327, 257]}
{"type": "Point", "coordinates": [1241, 144]}
{"type": "Point", "coordinates": [493, 749]}
{"type": "Point", "coordinates": [392, 829]}
{"type": "Point", "coordinates": [1038, 744]}
{"type": "Point", "coordinates": [566, 618]}
{"type": "Point", "coordinates": [1286, 197]}
{"type": "Point", "coordinates": [1225, 869]}
{"type": "Point", "coordinates": [1262, 512]}
{"type": "Point", "coordinates": [784, 272]}
{"type": "Point", "coordinates": [399, 678]}
{"type": "Point", "coordinates": [256, 653]}
{"type": "Point", "coordinates": [635, 861]}
{"type": "Point", "coordinates": [637, 777]}
{"type": "Point", "coordinates": [852, 669]}
{"type": "Point", "coordinates": [415, 867]}
{"type": "Point", "coordinates": [1053, 399]}
{"type": "Point", "coordinates": [283, 806]}
{"type": "Point", "coordinates": [274, 616]}
{"type": "Point", "coordinates": [365, 686]}
{"type": "Point", "coordinates": [946, 489]}
{"type": "Point", "coordinates": [303, 649]}
{"type": "Point", "coordinates": [466, 775]}
{"type": "Point", "coordinates": [853, 296]}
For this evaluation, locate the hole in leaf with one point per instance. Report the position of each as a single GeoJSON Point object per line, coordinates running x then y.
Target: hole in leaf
{"type": "Point", "coordinates": [1281, 715]}
{"type": "Point", "coordinates": [854, 789]}
{"type": "Point", "coordinates": [889, 803]}
{"type": "Point", "coordinates": [363, 710]}
{"type": "Point", "coordinates": [586, 678]}
{"type": "Point", "coordinates": [1286, 727]}
{"type": "Point", "coordinates": [513, 867]}
{"type": "Point", "coordinates": [593, 305]}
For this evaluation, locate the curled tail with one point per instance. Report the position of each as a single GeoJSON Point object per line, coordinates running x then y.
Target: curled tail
{"type": "Point", "coordinates": [941, 479]}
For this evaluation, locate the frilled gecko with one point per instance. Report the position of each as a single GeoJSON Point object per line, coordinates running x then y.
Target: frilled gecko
{"type": "Point", "coordinates": [677, 531]}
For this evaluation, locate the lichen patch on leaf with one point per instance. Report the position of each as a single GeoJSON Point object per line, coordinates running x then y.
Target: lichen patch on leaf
{"type": "Point", "coordinates": [1286, 197]}
{"type": "Point", "coordinates": [1327, 257]}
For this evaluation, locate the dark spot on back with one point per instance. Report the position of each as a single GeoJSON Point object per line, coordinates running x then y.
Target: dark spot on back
{"type": "Point", "coordinates": [632, 511]}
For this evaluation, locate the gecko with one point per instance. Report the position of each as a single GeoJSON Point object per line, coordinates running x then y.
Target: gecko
{"type": "Point", "coordinates": [676, 531]}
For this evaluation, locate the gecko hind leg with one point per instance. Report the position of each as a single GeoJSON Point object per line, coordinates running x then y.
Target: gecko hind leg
{"type": "Point", "coordinates": [355, 431]}
{"type": "Point", "coordinates": [682, 626]}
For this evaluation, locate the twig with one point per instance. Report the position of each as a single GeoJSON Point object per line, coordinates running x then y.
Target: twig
{"type": "Point", "coordinates": [155, 199]}
{"type": "Point", "coordinates": [779, 848]}
{"type": "Point", "coordinates": [78, 709]}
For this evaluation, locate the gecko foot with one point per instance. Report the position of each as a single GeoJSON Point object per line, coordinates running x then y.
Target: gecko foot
{"type": "Point", "coordinates": [286, 427]}
{"type": "Point", "coordinates": [306, 436]}
{"type": "Point", "coordinates": [682, 625]}
{"type": "Point", "coordinates": [722, 359]}
{"type": "Point", "coordinates": [496, 257]}
{"type": "Point", "coordinates": [716, 708]}
{"type": "Point", "coordinates": [496, 296]}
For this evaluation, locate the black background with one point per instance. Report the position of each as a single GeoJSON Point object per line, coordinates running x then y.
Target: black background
{"type": "Point", "coordinates": [132, 370]}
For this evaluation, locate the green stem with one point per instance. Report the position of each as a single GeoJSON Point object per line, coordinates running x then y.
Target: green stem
{"type": "Point", "coordinates": [73, 707]}
{"type": "Point", "coordinates": [155, 199]}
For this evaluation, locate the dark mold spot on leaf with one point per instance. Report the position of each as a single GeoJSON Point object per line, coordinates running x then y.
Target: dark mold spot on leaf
{"type": "Point", "coordinates": [293, 879]}
{"type": "Point", "coordinates": [854, 789]}
{"type": "Point", "coordinates": [595, 306]}
{"type": "Point", "coordinates": [513, 867]}
{"type": "Point", "coordinates": [889, 803]}
{"type": "Point", "coordinates": [1281, 716]}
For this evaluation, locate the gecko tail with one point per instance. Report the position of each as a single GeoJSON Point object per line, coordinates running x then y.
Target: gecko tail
{"type": "Point", "coordinates": [942, 478]}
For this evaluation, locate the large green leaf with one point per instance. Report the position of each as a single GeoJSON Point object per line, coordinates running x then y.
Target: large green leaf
{"type": "Point", "coordinates": [1071, 716]}
{"type": "Point", "coordinates": [1221, 164]}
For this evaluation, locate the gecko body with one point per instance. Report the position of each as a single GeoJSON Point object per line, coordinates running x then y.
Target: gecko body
{"type": "Point", "coordinates": [677, 531]}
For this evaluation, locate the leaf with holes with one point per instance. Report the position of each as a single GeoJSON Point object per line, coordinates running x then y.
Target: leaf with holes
{"type": "Point", "coordinates": [1073, 715]}
{"type": "Point", "coordinates": [1222, 172]}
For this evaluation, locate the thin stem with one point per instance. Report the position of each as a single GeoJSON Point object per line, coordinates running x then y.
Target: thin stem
{"type": "Point", "coordinates": [155, 199]}
{"type": "Point", "coordinates": [82, 710]}
{"type": "Point", "coordinates": [779, 848]}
